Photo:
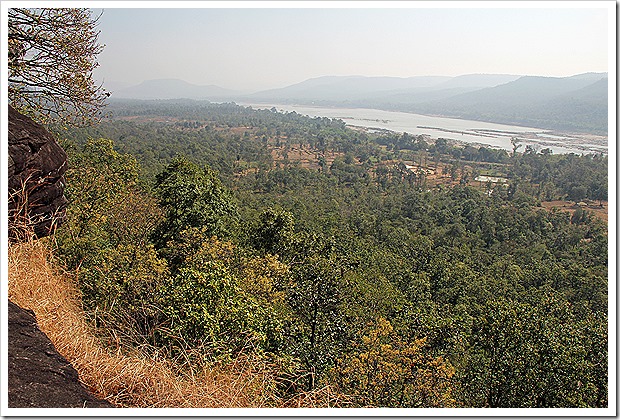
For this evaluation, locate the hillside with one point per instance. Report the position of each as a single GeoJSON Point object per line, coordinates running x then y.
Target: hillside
{"type": "Point", "coordinates": [284, 260]}
{"type": "Point", "coordinates": [124, 378]}
{"type": "Point", "coordinates": [585, 108]}
{"type": "Point", "coordinates": [337, 243]}
{"type": "Point", "coordinates": [577, 103]}
{"type": "Point", "coordinates": [522, 91]}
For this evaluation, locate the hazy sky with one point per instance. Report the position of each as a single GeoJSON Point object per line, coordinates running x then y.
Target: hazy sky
{"type": "Point", "coordinates": [259, 48]}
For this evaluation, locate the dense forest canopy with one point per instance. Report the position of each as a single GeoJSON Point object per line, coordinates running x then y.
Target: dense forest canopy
{"type": "Point", "coordinates": [381, 265]}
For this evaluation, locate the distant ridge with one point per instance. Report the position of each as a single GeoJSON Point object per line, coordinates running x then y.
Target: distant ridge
{"type": "Point", "coordinates": [351, 88]}
{"type": "Point", "coordinates": [347, 87]}
{"type": "Point", "coordinates": [525, 89]}
{"type": "Point", "coordinates": [172, 89]}
{"type": "Point", "coordinates": [478, 80]}
{"type": "Point", "coordinates": [576, 103]}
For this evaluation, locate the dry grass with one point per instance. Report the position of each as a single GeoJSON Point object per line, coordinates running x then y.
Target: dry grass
{"type": "Point", "coordinates": [130, 380]}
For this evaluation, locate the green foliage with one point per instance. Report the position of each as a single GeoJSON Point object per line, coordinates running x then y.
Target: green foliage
{"type": "Point", "coordinates": [275, 231]}
{"type": "Point", "coordinates": [564, 176]}
{"type": "Point", "coordinates": [315, 299]}
{"type": "Point", "coordinates": [106, 239]}
{"type": "Point", "coordinates": [532, 356]}
{"type": "Point", "coordinates": [219, 305]}
{"type": "Point", "coordinates": [190, 196]}
{"type": "Point", "coordinates": [205, 308]}
{"type": "Point", "coordinates": [119, 289]}
{"type": "Point", "coordinates": [350, 272]}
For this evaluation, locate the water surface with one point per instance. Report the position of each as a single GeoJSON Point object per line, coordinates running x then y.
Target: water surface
{"type": "Point", "coordinates": [467, 131]}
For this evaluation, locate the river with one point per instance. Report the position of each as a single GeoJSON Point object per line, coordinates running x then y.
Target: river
{"type": "Point", "coordinates": [467, 131]}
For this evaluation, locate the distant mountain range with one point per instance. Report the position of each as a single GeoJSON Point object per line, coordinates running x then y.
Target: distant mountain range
{"type": "Point", "coordinates": [576, 103]}
{"type": "Point", "coordinates": [360, 88]}
{"type": "Point", "coordinates": [172, 89]}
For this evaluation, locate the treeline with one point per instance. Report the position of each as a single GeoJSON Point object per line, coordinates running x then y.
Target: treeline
{"type": "Point", "coordinates": [387, 289]}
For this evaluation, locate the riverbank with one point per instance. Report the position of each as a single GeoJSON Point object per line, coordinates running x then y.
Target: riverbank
{"type": "Point", "coordinates": [463, 131]}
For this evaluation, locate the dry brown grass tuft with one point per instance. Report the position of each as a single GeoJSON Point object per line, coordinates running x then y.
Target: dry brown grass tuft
{"type": "Point", "coordinates": [127, 380]}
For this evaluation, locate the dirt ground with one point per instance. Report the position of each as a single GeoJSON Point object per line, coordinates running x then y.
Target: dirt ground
{"type": "Point", "coordinates": [307, 157]}
{"type": "Point", "coordinates": [571, 207]}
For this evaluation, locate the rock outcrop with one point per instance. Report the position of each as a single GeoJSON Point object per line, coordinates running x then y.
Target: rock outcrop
{"type": "Point", "coordinates": [37, 165]}
{"type": "Point", "coordinates": [38, 375]}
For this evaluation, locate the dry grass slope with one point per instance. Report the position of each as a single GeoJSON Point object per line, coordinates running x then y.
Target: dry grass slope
{"type": "Point", "coordinates": [130, 380]}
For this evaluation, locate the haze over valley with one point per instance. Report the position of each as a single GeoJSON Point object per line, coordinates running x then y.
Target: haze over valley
{"type": "Point", "coordinates": [575, 104]}
{"type": "Point", "coordinates": [516, 65]}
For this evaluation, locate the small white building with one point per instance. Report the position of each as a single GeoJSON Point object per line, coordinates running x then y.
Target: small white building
{"type": "Point", "coordinates": [416, 169]}
{"type": "Point", "coordinates": [492, 179]}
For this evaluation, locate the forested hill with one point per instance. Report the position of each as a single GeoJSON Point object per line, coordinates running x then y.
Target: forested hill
{"type": "Point", "coordinates": [378, 266]}
{"type": "Point", "coordinates": [575, 103]}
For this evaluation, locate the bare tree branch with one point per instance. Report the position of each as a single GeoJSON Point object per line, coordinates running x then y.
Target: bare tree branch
{"type": "Point", "coordinates": [52, 53]}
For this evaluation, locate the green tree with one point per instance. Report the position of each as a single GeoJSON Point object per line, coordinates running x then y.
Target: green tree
{"type": "Point", "coordinates": [105, 239]}
{"type": "Point", "coordinates": [315, 296]}
{"type": "Point", "coordinates": [213, 309]}
{"type": "Point", "coordinates": [191, 196]}
{"type": "Point", "coordinates": [52, 54]}
{"type": "Point", "coordinates": [99, 181]}
{"type": "Point", "coordinates": [541, 355]}
{"type": "Point", "coordinates": [275, 231]}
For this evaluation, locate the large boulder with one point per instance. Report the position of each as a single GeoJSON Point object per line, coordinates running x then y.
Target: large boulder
{"type": "Point", "coordinates": [38, 375]}
{"type": "Point", "coordinates": [36, 166]}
